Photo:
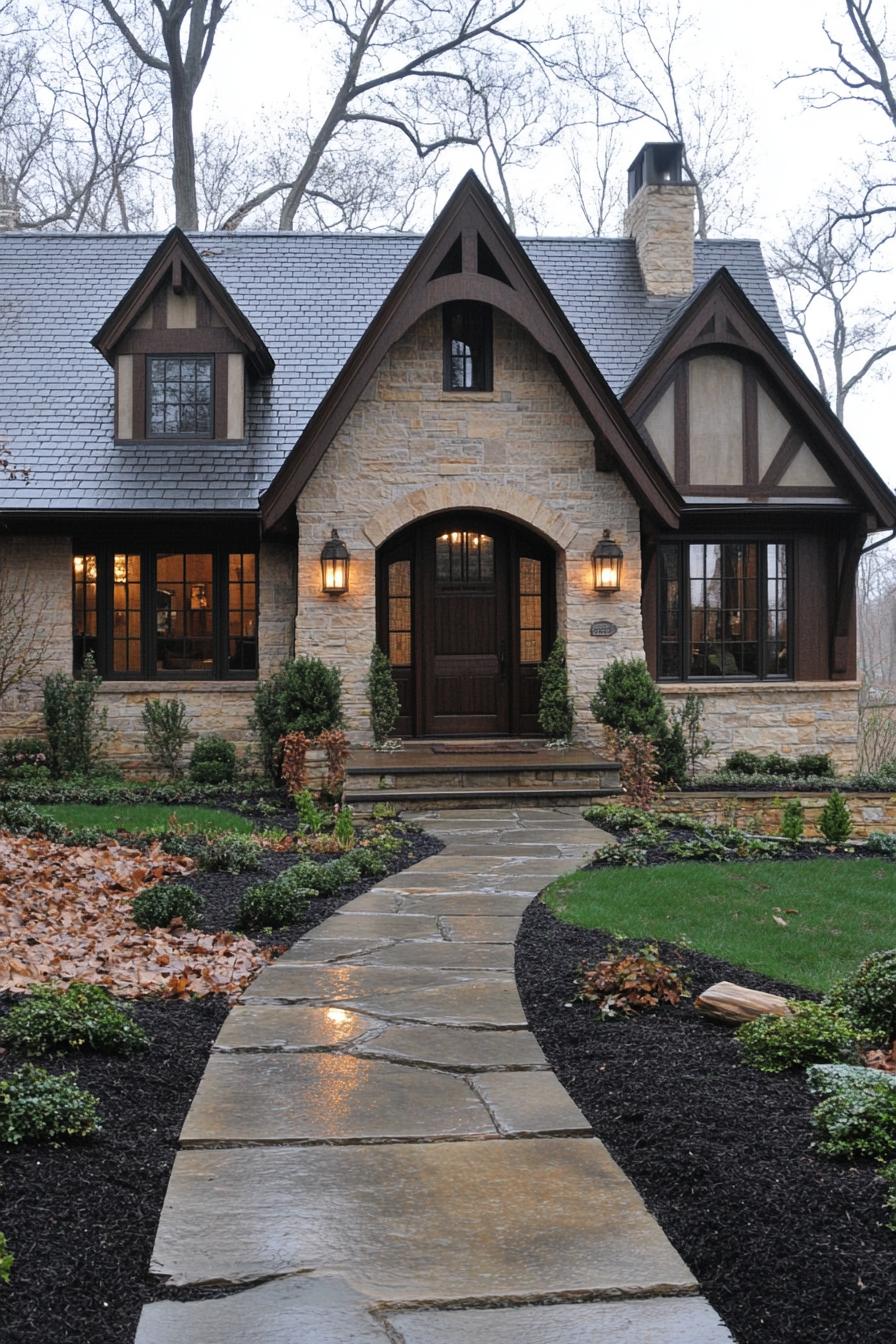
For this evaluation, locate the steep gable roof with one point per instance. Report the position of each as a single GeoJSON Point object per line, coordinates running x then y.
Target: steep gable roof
{"type": "Point", "coordinates": [174, 255]}
{"type": "Point", "coordinates": [719, 315]}
{"type": "Point", "coordinates": [470, 253]}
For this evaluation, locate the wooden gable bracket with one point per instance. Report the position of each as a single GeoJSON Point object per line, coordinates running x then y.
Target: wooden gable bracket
{"type": "Point", "coordinates": [177, 257]}
{"type": "Point", "coordinates": [719, 315]}
{"type": "Point", "coordinates": [493, 269]}
{"type": "Point", "coordinates": [844, 610]}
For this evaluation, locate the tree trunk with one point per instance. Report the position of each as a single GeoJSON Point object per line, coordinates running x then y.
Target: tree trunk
{"type": "Point", "coordinates": [732, 1003]}
{"type": "Point", "coordinates": [186, 210]}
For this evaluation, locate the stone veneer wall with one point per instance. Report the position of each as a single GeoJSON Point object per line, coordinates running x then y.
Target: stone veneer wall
{"type": "Point", "coordinates": [222, 707]}
{"type": "Point", "coordinates": [761, 812]}
{"type": "Point", "coordinates": [792, 717]}
{"type": "Point", "coordinates": [409, 448]}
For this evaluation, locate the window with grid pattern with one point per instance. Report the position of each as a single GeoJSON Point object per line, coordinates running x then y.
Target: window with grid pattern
{"type": "Point", "coordinates": [179, 391]}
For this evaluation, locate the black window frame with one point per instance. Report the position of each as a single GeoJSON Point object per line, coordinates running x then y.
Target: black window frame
{"type": "Point", "coordinates": [682, 546]}
{"type": "Point", "coordinates": [181, 435]}
{"type": "Point", "coordinates": [476, 321]}
{"type": "Point", "coordinates": [105, 552]}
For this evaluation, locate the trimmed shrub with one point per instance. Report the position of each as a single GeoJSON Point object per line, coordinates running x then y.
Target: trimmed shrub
{"type": "Point", "coordinates": [385, 706]}
{"type": "Point", "coordinates": [213, 760]}
{"type": "Point", "coordinates": [815, 1033]}
{"type": "Point", "coordinates": [814, 763]}
{"type": "Point", "coordinates": [366, 862]}
{"type": "Point", "coordinates": [80, 1017]}
{"type": "Point", "coordinates": [793, 820]}
{"type": "Point", "coordinates": [835, 822]}
{"type": "Point", "coordinates": [776, 764]}
{"type": "Point", "coordinates": [155, 907]}
{"type": "Point", "coordinates": [671, 755]}
{"type": "Point", "coordinates": [555, 710]}
{"type": "Point", "coordinates": [166, 733]}
{"type": "Point", "coordinates": [744, 763]}
{"type": "Point", "coordinates": [75, 722]}
{"type": "Point", "coordinates": [881, 842]}
{"type": "Point", "coordinates": [858, 1120]}
{"type": "Point", "coordinates": [230, 852]}
{"type": "Point", "coordinates": [304, 696]}
{"type": "Point", "coordinates": [868, 997]}
{"type": "Point", "coordinates": [627, 699]}
{"type": "Point", "coordinates": [271, 905]}
{"type": "Point", "coordinates": [36, 1105]}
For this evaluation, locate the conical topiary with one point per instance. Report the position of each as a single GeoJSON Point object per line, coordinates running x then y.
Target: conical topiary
{"type": "Point", "coordinates": [555, 712]}
{"type": "Point", "coordinates": [385, 706]}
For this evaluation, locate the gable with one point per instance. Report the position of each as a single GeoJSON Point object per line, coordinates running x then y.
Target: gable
{"type": "Point", "coordinates": [470, 254]}
{"type": "Point", "coordinates": [729, 414]}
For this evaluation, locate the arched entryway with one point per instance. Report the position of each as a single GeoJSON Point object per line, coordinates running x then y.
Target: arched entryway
{"type": "Point", "coordinates": [466, 613]}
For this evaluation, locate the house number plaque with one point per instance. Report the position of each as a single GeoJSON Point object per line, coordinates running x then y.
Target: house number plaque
{"type": "Point", "coordinates": [603, 629]}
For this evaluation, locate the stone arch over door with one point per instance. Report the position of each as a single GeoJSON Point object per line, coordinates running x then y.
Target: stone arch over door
{"type": "Point", "coordinates": [517, 505]}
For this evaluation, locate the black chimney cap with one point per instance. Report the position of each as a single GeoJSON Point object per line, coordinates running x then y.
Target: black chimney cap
{"type": "Point", "coordinates": [657, 164]}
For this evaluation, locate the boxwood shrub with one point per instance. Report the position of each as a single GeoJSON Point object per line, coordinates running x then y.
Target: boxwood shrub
{"type": "Point", "coordinates": [36, 1105]}
{"type": "Point", "coordinates": [814, 1033]}
{"type": "Point", "coordinates": [79, 1017]}
{"type": "Point", "coordinates": [155, 907]}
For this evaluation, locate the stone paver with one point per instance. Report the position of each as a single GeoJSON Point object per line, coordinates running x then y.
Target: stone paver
{"type": "Point", "coordinates": [377, 1131]}
{"type": "Point", "coordinates": [665, 1321]}
{"type": "Point", "coordinates": [456, 1048]}
{"type": "Point", "coordinates": [291, 1026]}
{"type": "Point", "coordinates": [418, 1222]}
{"type": "Point", "coordinates": [292, 1098]}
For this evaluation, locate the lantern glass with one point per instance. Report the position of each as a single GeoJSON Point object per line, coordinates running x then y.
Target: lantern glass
{"type": "Point", "coordinates": [606, 561]}
{"type": "Point", "coordinates": [334, 564]}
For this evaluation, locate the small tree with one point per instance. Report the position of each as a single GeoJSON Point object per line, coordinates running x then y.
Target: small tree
{"type": "Point", "coordinates": [74, 720]}
{"type": "Point", "coordinates": [167, 733]}
{"type": "Point", "coordinates": [555, 711]}
{"type": "Point", "coordinates": [793, 820]}
{"type": "Point", "coordinates": [385, 706]}
{"type": "Point", "coordinates": [835, 822]}
{"type": "Point", "coordinates": [305, 696]}
{"type": "Point", "coordinates": [628, 702]}
{"type": "Point", "coordinates": [697, 743]}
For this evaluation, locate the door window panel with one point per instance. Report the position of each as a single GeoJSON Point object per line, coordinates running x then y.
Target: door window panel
{"type": "Point", "coordinates": [399, 598]}
{"type": "Point", "coordinates": [465, 560]}
{"type": "Point", "coordinates": [126, 613]}
{"type": "Point", "coordinates": [531, 650]}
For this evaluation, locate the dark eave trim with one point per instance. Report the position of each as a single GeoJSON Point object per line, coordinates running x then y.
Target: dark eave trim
{"type": "Point", "coordinates": [738, 325]}
{"type": "Point", "coordinates": [176, 251]}
{"type": "Point", "coordinates": [527, 300]}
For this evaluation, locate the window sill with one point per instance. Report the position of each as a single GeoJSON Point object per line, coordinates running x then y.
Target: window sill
{"type": "Point", "coordinates": [469, 396]}
{"type": "Point", "coordinates": [764, 687]}
{"type": "Point", "coordinates": [186, 442]}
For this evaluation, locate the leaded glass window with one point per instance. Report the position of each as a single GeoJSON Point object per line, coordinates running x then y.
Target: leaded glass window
{"type": "Point", "coordinates": [180, 396]}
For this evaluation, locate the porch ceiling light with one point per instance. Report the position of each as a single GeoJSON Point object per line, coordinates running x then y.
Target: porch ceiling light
{"type": "Point", "coordinates": [606, 561]}
{"type": "Point", "coordinates": [334, 564]}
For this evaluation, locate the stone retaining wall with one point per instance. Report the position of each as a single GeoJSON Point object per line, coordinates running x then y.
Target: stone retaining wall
{"type": "Point", "coordinates": [762, 811]}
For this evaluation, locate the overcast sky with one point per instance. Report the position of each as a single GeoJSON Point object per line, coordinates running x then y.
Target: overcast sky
{"type": "Point", "coordinates": [264, 62]}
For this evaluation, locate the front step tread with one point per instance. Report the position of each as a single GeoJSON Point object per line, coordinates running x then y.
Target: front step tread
{"type": "Point", "coordinates": [550, 791]}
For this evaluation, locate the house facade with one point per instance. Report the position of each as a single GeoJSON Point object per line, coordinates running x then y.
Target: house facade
{"type": "Point", "coordinates": [477, 418]}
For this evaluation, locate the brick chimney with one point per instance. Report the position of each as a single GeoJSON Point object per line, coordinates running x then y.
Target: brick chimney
{"type": "Point", "coordinates": [660, 218]}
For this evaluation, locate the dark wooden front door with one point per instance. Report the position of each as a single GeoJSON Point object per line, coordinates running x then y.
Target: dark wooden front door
{"type": "Point", "coordinates": [465, 614]}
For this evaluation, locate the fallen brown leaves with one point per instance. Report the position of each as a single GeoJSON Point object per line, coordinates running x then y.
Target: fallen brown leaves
{"type": "Point", "coordinates": [882, 1059]}
{"type": "Point", "coordinates": [65, 914]}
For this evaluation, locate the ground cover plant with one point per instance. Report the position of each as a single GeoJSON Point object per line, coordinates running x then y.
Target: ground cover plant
{"type": "Point", "coordinates": [79, 1017]}
{"type": "Point", "coordinates": [786, 1243]}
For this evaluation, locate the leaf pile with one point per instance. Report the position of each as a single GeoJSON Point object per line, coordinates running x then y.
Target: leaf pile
{"type": "Point", "coordinates": [631, 982]}
{"type": "Point", "coordinates": [65, 914]}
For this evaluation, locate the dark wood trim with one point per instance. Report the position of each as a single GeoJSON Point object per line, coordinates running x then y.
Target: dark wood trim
{"type": "Point", "coordinates": [179, 341]}
{"type": "Point", "coordinates": [529, 302]}
{"type": "Point", "coordinates": [138, 417]}
{"type": "Point", "coordinates": [682, 428]}
{"type": "Point", "coordinates": [720, 316]}
{"type": "Point", "coordinates": [177, 248]}
{"type": "Point", "coordinates": [760, 492]}
{"type": "Point", "coordinates": [751, 427]}
{"type": "Point", "coordinates": [845, 604]}
{"type": "Point", "coordinates": [782, 459]}
{"type": "Point", "coordinates": [215, 435]}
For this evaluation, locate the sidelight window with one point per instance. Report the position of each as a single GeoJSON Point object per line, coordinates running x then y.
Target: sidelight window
{"type": "Point", "coordinates": [399, 614]}
{"type": "Point", "coordinates": [724, 610]}
{"type": "Point", "coordinates": [531, 650]}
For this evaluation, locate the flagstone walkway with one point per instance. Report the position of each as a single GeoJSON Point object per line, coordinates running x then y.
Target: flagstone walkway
{"type": "Point", "coordinates": [378, 1151]}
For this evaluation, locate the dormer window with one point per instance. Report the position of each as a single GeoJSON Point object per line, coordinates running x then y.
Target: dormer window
{"type": "Point", "coordinates": [180, 396]}
{"type": "Point", "coordinates": [467, 338]}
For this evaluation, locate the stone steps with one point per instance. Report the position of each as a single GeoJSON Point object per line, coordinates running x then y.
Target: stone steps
{"type": "Point", "coordinates": [411, 799]}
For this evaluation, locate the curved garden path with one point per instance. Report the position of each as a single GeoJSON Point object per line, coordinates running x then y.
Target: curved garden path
{"type": "Point", "coordinates": [378, 1151]}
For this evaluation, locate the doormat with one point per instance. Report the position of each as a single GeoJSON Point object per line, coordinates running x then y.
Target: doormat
{"type": "Point", "coordinates": [484, 748]}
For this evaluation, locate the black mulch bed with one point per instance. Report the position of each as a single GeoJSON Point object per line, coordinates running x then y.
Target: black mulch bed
{"type": "Point", "coordinates": [789, 1248]}
{"type": "Point", "coordinates": [81, 1218]}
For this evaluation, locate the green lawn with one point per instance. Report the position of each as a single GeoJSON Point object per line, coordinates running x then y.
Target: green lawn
{"type": "Point", "coordinates": [836, 913]}
{"type": "Point", "coordinates": [136, 817]}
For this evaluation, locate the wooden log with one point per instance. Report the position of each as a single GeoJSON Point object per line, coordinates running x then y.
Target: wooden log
{"type": "Point", "coordinates": [732, 1003]}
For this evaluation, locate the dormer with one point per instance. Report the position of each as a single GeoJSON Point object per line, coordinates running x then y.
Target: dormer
{"type": "Point", "coordinates": [182, 351]}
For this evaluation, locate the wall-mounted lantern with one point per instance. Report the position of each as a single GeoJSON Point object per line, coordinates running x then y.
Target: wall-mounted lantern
{"type": "Point", "coordinates": [334, 564]}
{"type": "Point", "coordinates": [606, 561]}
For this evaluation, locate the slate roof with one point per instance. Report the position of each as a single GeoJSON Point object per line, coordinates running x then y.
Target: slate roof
{"type": "Point", "coordinates": [310, 297]}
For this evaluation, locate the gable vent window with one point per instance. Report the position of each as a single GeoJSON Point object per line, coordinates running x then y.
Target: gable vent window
{"type": "Point", "coordinates": [467, 332]}
{"type": "Point", "coordinates": [724, 611]}
{"type": "Point", "coordinates": [180, 397]}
